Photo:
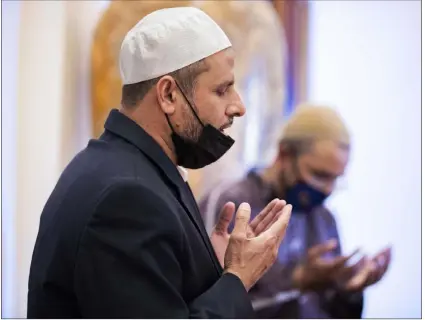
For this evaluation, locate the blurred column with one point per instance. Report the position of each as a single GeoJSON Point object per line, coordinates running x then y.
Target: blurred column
{"type": "Point", "coordinates": [42, 62]}
{"type": "Point", "coordinates": [83, 17]}
{"type": "Point", "coordinates": [52, 115]}
{"type": "Point", "coordinates": [53, 110]}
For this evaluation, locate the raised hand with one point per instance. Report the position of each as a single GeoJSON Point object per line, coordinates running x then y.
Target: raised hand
{"type": "Point", "coordinates": [250, 257]}
{"type": "Point", "coordinates": [220, 236]}
{"type": "Point", "coordinates": [370, 271]}
{"type": "Point", "coordinates": [315, 272]}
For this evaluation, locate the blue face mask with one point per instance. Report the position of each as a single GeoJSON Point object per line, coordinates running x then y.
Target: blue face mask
{"type": "Point", "coordinates": [304, 197]}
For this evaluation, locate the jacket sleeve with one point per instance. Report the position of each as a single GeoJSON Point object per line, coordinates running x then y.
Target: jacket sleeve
{"type": "Point", "coordinates": [128, 264]}
{"type": "Point", "coordinates": [338, 303]}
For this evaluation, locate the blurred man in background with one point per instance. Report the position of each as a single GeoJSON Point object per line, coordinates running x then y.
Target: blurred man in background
{"type": "Point", "coordinates": [311, 278]}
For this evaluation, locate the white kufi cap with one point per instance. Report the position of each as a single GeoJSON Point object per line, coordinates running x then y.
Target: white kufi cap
{"type": "Point", "coordinates": [167, 40]}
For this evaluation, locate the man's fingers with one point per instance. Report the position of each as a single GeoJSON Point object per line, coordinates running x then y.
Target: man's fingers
{"type": "Point", "coordinates": [322, 248]}
{"type": "Point", "coordinates": [359, 264]}
{"type": "Point", "coordinates": [334, 264]}
{"type": "Point", "coordinates": [264, 213]}
{"type": "Point", "coordinates": [225, 218]}
{"type": "Point", "coordinates": [374, 274]}
{"type": "Point", "coordinates": [382, 261]}
{"type": "Point", "coordinates": [342, 260]}
{"type": "Point", "coordinates": [278, 228]}
{"type": "Point", "coordinates": [387, 260]}
{"type": "Point", "coordinates": [350, 271]}
{"type": "Point", "coordinates": [268, 217]}
{"type": "Point", "coordinates": [358, 281]}
{"type": "Point", "coordinates": [386, 252]}
{"type": "Point", "coordinates": [275, 218]}
{"type": "Point", "coordinates": [345, 273]}
{"type": "Point", "coordinates": [383, 258]}
{"type": "Point", "coordinates": [242, 219]}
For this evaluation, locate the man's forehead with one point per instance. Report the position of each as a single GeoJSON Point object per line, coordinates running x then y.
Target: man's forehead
{"type": "Point", "coordinates": [328, 154]}
{"type": "Point", "coordinates": [327, 146]}
{"type": "Point", "coordinates": [220, 67]}
{"type": "Point", "coordinates": [224, 58]}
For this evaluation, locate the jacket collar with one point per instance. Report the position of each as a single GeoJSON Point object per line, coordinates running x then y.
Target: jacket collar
{"type": "Point", "coordinates": [129, 130]}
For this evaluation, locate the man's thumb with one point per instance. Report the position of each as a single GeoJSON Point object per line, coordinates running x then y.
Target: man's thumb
{"type": "Point", "coordinates": [243, 216]}
{"type": "Point", "coordinates": [225, 218]}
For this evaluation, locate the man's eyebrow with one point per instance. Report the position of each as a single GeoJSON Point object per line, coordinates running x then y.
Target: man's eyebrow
{"type": "Point", "coordinates": [226, 83]}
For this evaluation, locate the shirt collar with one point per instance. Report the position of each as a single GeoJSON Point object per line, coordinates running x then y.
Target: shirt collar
{"type": "Point", "coordinates": [183, 172]}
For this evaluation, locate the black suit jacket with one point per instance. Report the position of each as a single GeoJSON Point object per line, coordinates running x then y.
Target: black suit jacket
{"type": "Point", "coordinates": [121, 236]}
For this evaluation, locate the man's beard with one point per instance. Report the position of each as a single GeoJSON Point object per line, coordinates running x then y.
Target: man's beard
{"type": "Point", "coordinates": [283, 185]}
{"type": "Point", "coordinates": [192, 128]}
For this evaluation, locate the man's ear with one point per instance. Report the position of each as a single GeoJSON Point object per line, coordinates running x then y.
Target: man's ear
{"type": "Point", "coordinates": [285, 150]}
{"type": "Point", "coordinates": [166, 92]}
{"type": "Point", "coordinates": [286, 154]}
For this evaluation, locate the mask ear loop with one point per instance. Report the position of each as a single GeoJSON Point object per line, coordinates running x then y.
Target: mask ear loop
{"type": "Point", "coordinates": [169, 123]}
{"type": "Point", "coordinates": [190, 105]}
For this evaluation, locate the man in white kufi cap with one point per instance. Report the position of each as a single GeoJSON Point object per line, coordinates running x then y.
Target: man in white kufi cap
{"type": "Point", "coordinates": [121, 235]}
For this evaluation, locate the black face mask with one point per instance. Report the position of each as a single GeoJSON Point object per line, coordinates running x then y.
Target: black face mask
{"type": "Point", "coordinates": [303, 197]}
{"type": "Point", "coordinates": [211, 145]}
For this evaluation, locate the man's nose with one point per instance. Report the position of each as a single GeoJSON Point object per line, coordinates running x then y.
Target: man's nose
{"type": "Point", "coordinates": [236, 109]}
{"type": "Point", "coordinates": [329, 188]}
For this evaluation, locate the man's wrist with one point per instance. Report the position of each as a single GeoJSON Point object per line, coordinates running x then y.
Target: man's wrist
{"type": "Point", "coordinates": [238, 275]}
{"type": "Point", "coordinates": [298, 276]}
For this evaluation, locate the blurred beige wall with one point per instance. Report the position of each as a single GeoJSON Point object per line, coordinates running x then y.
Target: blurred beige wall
{"type": "Point", "coordinates": [53, 121]}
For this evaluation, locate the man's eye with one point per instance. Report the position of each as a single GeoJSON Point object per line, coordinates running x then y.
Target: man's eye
{"type": "Point", "coordinates": [223, 90]}
{"type": "Point", "coordinates": [221, 93]}
{"type": "Point", "coordinates": [322, 175]}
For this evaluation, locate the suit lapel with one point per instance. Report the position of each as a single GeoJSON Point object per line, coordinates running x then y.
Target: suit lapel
{"type": "Point", "coordinates": [126, 128]}
{"type": "Point", "coordinates": [192, 208]}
